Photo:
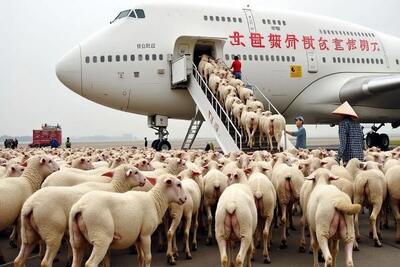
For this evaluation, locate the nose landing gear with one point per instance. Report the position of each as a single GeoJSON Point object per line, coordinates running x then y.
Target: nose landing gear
{"type": "Point", "coordinates": [159, 124]}
{"type": "Point", "coordinates": [378, 140]}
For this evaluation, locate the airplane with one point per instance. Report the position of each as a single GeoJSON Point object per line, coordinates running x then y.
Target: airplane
{"type": "Point", "coordinates": [304, 64]}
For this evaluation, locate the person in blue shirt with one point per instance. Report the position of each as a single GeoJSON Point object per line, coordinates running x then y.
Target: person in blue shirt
{"type": "Point", "coordinates": [54, 143]}
{"type": "Point", "coordinates": [301, 134]}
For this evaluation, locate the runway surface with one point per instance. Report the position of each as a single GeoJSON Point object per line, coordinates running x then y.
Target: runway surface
{"type": "Point", "coordinates": [368, 256]}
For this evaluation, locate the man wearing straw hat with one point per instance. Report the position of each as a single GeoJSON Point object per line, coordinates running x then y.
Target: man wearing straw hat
{"type": "Point", "coordinates": [351, 136]}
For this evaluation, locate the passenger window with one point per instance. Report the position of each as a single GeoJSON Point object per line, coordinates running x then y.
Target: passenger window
{"type": "Point", "coordinates": [336, 32]}
{"type": "Point", "coordinates": [266, 58]}
{"type": "Point", "coordinates": [367, 60]}
{"type": "Point", "coordinates": [283, 58]}
{"type": "Point", "coordinates": [223, 19]}
{"type": "Point", "coordinates": [324, 31]}
{"type": "Point", "coordinates": [216, 18]}
{"type": "Point", "coordinates": [353, 60]}
{"type": "Point", "coordinates": [287, 58]}
{"type": "Point", "coordinates": [340, 32]}
{"type": "Point", "coordinates": [372, 61]}
{"type": "Point", "coordinates": [132, 57]}
{"type": "Point", "coordinates": [205, 17]}
{"type": "Point", "coordinates": [234, 19]}
{"type": "Point", "coordinates": [381, 61]}
{"type": "Point", "coordinates": [232, 57]}
{"type": "Point", "coordinates": [293, 59]}
{"type": "Point", "coordinates": [140, 57]}
{"type": "Point", "coordinates": [160, 57]}
{"type": "Point", "coordinates": [240, 20]}
{"type": "Point", "coordinates": [154, 57]}
{"type": "Point", "coordinates": [284, 23]}
{"type": "Point", "coordinates": [250, 57]}
{"type": "Point", "coordinates": [279, 22]}
{"type": "Point", "coordinates": [211, 18]}
{"type": "Point", "coordinates": [94, 59]}
{"type": "Point", "coordinates": [377, 61]}
{"type": "Point", "coordinates": [343, 60]}
{"type": "Point", "coordinates": [244, 57]}
{"type": "Point", "coordinates": [226, 57]}
{"type": "Point", "coordinates": [334, 60]}
{"type": "Point", "coordinates": [140, 13]}
{"type": "Point", "coordinates": [256, 57]}
{"type": "Point", "coordinates": [117, 58]}
{"type": "Point", "coordinates": [348, 60]}
{"type": "Point", "coordinates": [324, 59]}
{"type": "Point", "coordinates": [268, 21]}
{"type": "Point", "coordinates": [274, 22]}
{"type": "Point", "coordinates": [228, 19]}
{"type": "Point", "coordinates": [125, 57]}
{"type": "Point", "coordinates": [262, 57]}
{"type": "Point", "coordinates": [272, 58]}
{"type": "Point", "coordinates": [147, 57]}
{"type": "Point", "coordinates": [397, 61]}
{"type": "Point", "coordinates": [358, 60]}
{"type": "Point", "coordinates": [277, 58]}
{"type": "Point", "coordinates": [87, 59]}
{"type": "Point", "coordinates": [363, 61]}
{"type": "Point", "coordinates": [263, 21]}
{"type": "Point", "coordinates": [132, 15]}
{"type": "Point", "coordinates": [109, 58]}
{"type": "Point", "coordinates": [102, 59]}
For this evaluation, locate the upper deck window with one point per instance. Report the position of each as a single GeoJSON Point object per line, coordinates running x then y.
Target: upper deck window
{"type": "Point", "coordinates": [140, 13]}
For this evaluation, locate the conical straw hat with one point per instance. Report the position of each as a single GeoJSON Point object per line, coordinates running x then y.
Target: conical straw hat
{"type": "Point", "coordinates": [345, 109]}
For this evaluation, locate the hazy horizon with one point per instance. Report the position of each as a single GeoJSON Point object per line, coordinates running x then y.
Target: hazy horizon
{"type": "Point", "coordinates": [36, 34]}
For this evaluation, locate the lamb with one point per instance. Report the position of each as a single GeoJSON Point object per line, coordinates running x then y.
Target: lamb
{"type": "Point", "coordinates": [215, 183]}
{"type": "Point", "coordinates": [236, 220]}
{"type": "Point", "coordinates": [82, 164]}
{"type": "Point", "coordinates": [249, 121]}
{"type": "Point", "coordinates": [121, 223]}
{"type": "Point", "coordinates": [265, 198]}
{"type": "Point", "coordinates": [13, 170]}
{"type": "Point", "coordinates": [14, 191]}
{"type": "Point", "coordinates": [287, 182]}
{"type": "Point", "coordinates": [189, 211]}
{"type": "Point", "coordinates": [370, 188]}
{"type": "Point", "coordinates": [329, 214]}
{"type": "Point", "coordinates": [277, 125]}
{"type": "Point", "coordinates": [69, 178]}
{"type": "Point", "coordinates": [393, 185]}
{"type": "Point", "coordinates": [46, 220]}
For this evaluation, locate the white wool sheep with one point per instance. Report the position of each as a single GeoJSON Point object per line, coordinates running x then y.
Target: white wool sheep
{"type": "Point", "coordinates": [254, 104]}
{"type": "Point", "coordinates": [236, 220]}
{"type": "Point", "coordinates": [390, 163]}
{"type": "Point", "coordinates": [68, 178]}
{"type": "Point", "coordinates": [329, 215]}
{"type": "Point", "coordinates": [82, 164]}
{"type": "Point", "coordinates": [230, 99]}
{"type": "Point", "coordinates": [215, 183]}
{"type": "Point", "coordinates": [121, 222]}
{"type": "Point", "coordinates": [393, 184]}
{"type": "Point", "coordinates": [46, 220]}
{"type": "Point", "coordinates": [249, 120]}
{"type": "Point", "coordinates": [13, 170]}
{"type": "Point", "coordinates": [224, 90]}
{"type": "Point", "coordinates": [263, 125]}
{"type": "Point", "coordinates": [214, 81]}
{"type": "Point", "coordinates": [204, 59]}
{"type": "Point", "coordinates": [287, 181]}
{"type": "Point", "coordinates": [237, 109]}
{"type": "Point", "coordinates": [277, 124]}
{"type": "Point", "coordinates": [14, 191]}
{"type": "Point", "coordinates": [244, 93]}
{"type": "Point", "coordinates": [265, 198]}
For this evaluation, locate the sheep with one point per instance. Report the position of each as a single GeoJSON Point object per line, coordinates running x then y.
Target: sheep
{"type": "Point", "coordinates": [82, 164]}
{"type": "Point", "coordinates": [230, 99]}
{"type": "Point", "coordinates": [215, 183]}
{"type": "Point", "coordinates": [224, 90]}
{"type": "Point", "coordinates": [390, 163]}
{"type": "Point", "coordinates": [121, 222]}
{"type": "Point", "coordinates": [371, 189]}
{"type": "Point", "coordinates": [236, 220]}
{"type": "Point", "coordinates": [287, 182]}
{"type": "Point", "coordinates": [393, 184]}
{"type": "Point", "coordinates": [277, 124]}
{"type": "Point", "coordinates": [14, 191]}
{"type": "Point", "coordinates": [188, 210]}
{"type": "Point", "coordinates": [237, 109]}
{"type": "Point", "coordinates": [235, 82]}
{"type": "Point", "coordinates": [249, 120]}
{"type": "Point", "coordinates": [254, 104]}
{"type": "Point", "coordinates": [13, 170]}
{"type": "Point", "coordinates": [244, 93]}
{"type": "Point", "coordinates": [214, 81]}
{"type": "Point", "coordinates": [46, 220]}
{"type": "Point", "coordinates": [329, 214]}
{"type": "Point", "coordinates": [265, 198]}
{"type": "Point", "coordinates": [263, 125]}
{"type": "Point", "coordinates": [204, 59]}
{"type": "Point", "coordinates": [68, 178]}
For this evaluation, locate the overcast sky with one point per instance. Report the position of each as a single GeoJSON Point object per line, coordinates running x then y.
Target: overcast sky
{"type": "Point", "coordinates": [36, 34]}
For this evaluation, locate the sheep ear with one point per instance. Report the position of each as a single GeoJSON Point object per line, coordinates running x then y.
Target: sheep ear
{"type": "Point", "coordinates": [108, 174]}
{"type": "Point", "coordinates": [333, 177]}
{"type": "Point", "coordinates": [220, 166]}
{"type": "Point", "coordinates": [168, 181]}
{"type": "Point", "coordinates": [82, 159]}
{"type": "Point", "coordinates": [128, 172]}
{"type": "Point", "coordinates": [229, 175]}
{"type": "Point", "coordinates": [247, 171]}
{"type": "Point", "coordinates": [194, 173]}
{"type": "Point", "coordinates": [13, 168]}
{"type": "Point", "coordinates": [42, 161]}
{"type": "Point", "coordinates": [136, 165]}
{"type": "Point", "coordinates": [179, 177]}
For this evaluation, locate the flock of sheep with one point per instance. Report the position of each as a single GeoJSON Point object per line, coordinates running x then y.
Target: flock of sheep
{"type": "Point", "coordinates": [240, 103]}
{"type": "Point", "coordinates": [115, 198]}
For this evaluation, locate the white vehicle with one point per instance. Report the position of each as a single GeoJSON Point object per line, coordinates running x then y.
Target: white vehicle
{"type": "Point", "coordinates": [303, 64]}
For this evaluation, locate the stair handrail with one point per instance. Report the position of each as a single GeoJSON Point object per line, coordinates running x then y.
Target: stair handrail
{"type": "Point", "coordinates": [262, 94]}
{"type": "Point", "coordinates": [215, 101]}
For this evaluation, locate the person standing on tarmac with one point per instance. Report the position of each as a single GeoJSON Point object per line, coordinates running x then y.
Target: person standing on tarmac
{"type": "Point", "coordinates": [301, 134]}
{"type": "Point", "coordinates": [68, 143]}
{"type": "Point", "coordinates": [237, 68]}
{"type": "Point", "coordinates": [351, 136]}
{"type": "Point", "coordinates": [145, 142]}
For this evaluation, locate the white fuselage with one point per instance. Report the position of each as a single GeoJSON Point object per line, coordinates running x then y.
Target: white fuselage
{"type": "Point", "coordinates": [138, 77]}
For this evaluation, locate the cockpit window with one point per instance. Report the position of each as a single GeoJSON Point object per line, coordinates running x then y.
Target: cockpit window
{"type": "Point", "coordinates": [140, 13]}
{"type": "Point", "coordinates": [132, 15]}
{"type": "Point", "coordinates": [123, 14]}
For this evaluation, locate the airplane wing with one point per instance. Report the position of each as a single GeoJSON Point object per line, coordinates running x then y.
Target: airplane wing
{"type": "Point", "coordinates": [373, 91]}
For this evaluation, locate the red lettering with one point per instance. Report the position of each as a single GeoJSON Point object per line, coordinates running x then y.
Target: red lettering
{"type": "Point", "coordinates": [323, 44]}
{"type": "Point", "coordinates": [291, 41]}
{"type": "Point", "coordinates": [375, 47]}
{"type": "Point", "coordinates": [351, 44]}
{"type": "Point", "coordinates": [308, 42]}
{"type": "Point", "coordinates": [256, 40]}
{"type": "Point", "coordinates": [338, 44]}
{"type": "Point", "coordinates": [275, 40]}
{"type": "Point", "coordinates": [364, 45]}
{"type": "Point", "coordinates": [236, 39]}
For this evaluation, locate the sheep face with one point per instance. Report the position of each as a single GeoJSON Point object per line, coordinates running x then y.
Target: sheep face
{"type": "Point", "coordinates": [134, 176]}
{"type": "Point", "coordinates": [47, 166]}
{"type": "Point", "coordinates": [174, 190]}
{"type": "Point", "coordinates": [16, 170]}
{"type": "Point", "coordinates": [86, 164]}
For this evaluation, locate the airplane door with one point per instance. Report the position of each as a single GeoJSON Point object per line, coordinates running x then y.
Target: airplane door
{"type": "Point", "coordinates": [312, 62]}
{"type": "Point", "coordinates": [250, 20]}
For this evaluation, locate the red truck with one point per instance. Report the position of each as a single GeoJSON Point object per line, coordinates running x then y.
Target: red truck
{"type": "Point", "coordinates": [43, 137]}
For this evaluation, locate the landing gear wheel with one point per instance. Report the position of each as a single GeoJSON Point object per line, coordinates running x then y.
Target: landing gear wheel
{"type": "Point", "coordinates": [384, 142]}
{"type": "Point", "coordinates": [155, 143]}
{"type": "Point", "coordinates": [164, 145]}
{"type": "Point", "coordinates": [372, 139]}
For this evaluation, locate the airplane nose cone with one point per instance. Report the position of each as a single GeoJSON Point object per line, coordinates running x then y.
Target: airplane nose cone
{"type": "Point", "coordinates": [69, 70]}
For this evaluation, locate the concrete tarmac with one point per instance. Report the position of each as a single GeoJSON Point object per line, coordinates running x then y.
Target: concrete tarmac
{"type": "Point", "coordinates": [368, 256]}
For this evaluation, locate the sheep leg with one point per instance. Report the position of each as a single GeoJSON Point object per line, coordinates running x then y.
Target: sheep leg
{"type": "Point", "coordinates": [99, 251]}
{"type": "Point", "coordinates": [358, 199]}
{"type": "Point", "coordinates": [245, 245]}
{"type": "Point", "coordinates": [323, 243]}
{"type": "Point", "coordinates": [188, 222]}
{"type": "Point", "coordinates": [375, 212]}
{"type": "Point", "coordinates": [253, 132]}
{"type": "Point", "coordinates": [283, 227]}
{"type": "Point", "coordinates": [249, 140]}
{"type": "Point", "coordinates": [222, 250]}
{"type": "Point", "coordinates": [176, 219]}
{"type": "Point", "coordinates": [348, 249]}
{"type": "Point", "coordinates": [52, 247]}
{"type": "Point", "coordinates": [13, 238]}
{"type": "Point", "coordinates": [26, 250]}
{"type": "Point", "coordinates": [266, 238]}
{"type": "Point", "coordinates": [334, 247]}
{"type": "Point", "coordinates": [30, 239]}
{"type": "Point", "coordinates": [271, 145]}
{"type": "Point", "coordinates": [209, 221]}
{"type": "Point", "coordinates": [146, 247]}
{"type": "Point", "coordinates": [195, 227]}
{"type": "Point", "coordinates": [315, 247]}
{"type": "Point", "coordinates": [257, 234]}
{"type": "Point", "coordinates": [302, 246]}
{"type": "Point", "coordinates": [396, 212]}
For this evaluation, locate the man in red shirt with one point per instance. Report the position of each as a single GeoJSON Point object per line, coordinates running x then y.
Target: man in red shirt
{"type": "Point", "coordinates": [237, 68]}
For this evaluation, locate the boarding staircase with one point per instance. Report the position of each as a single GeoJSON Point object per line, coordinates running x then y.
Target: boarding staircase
{"type": "Point", "coordinates": [230, 137]}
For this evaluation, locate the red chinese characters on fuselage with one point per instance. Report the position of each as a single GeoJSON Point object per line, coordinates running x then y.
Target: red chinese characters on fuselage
{"type": "Point", "coordinates": [306, 42]}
